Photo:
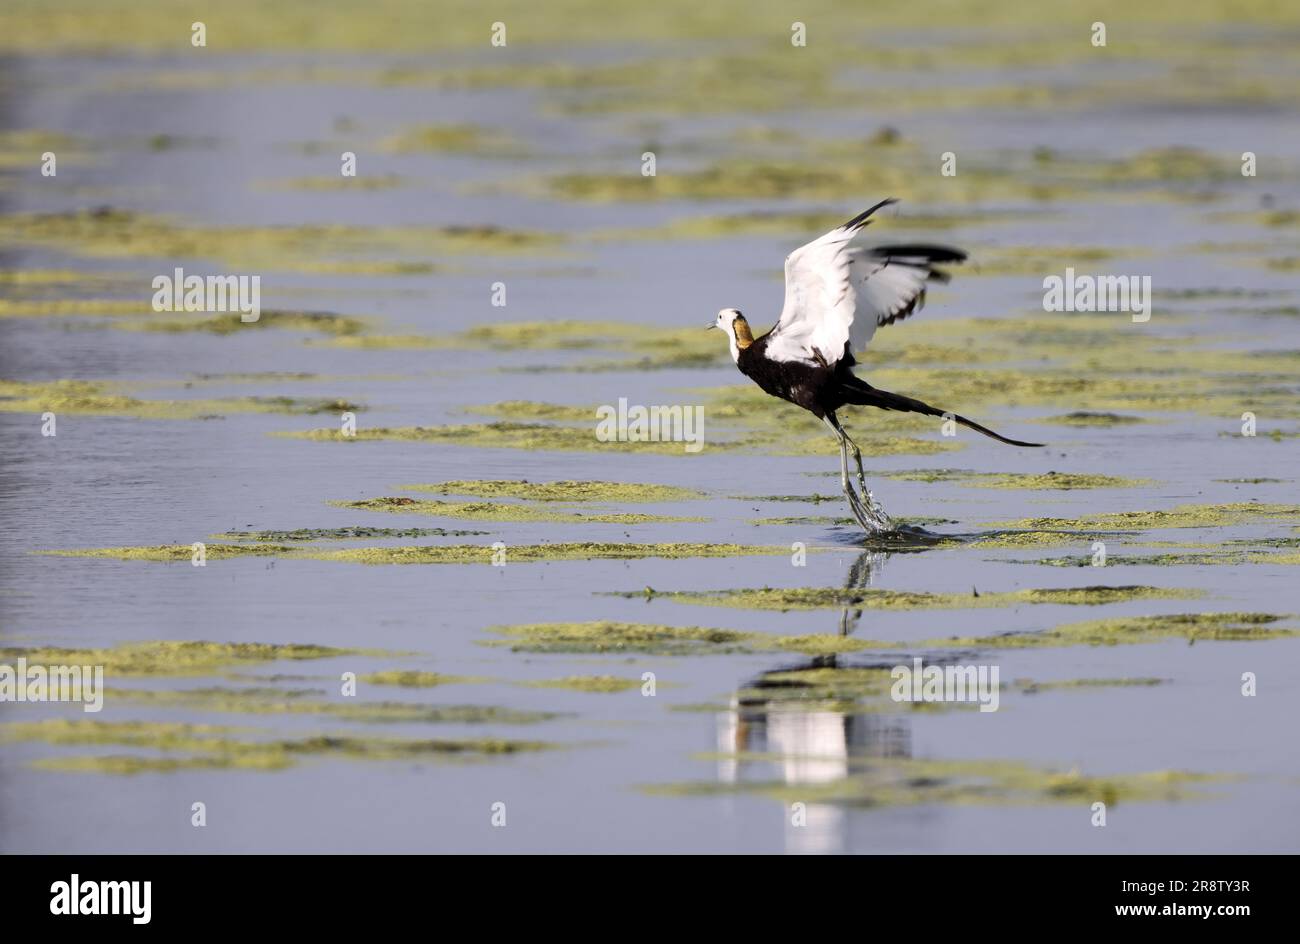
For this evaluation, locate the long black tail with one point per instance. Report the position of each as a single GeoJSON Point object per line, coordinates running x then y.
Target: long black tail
{"type": "Point", "coordinates": [860, 393]}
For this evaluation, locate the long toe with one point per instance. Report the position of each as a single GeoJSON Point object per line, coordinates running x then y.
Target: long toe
{"type": "Point", "coordinates": [855, 506]}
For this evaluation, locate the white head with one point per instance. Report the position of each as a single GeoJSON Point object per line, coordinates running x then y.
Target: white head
{"type": "Point", "coordinates": [731, 322]}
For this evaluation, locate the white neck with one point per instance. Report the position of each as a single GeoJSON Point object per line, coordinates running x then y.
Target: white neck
{"type": "Point", "coordinates": [735, 348]}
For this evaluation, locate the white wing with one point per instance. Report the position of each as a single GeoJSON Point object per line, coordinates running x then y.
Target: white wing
{"type": "Point", "coordinates": [837, 294]}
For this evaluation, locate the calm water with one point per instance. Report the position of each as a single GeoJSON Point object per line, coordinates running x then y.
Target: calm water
{"type": "Point", "coordinates": [115, 481]}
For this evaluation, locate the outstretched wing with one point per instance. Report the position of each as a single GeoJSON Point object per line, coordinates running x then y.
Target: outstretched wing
{"type": "Point", "coordinates": [837, 294]}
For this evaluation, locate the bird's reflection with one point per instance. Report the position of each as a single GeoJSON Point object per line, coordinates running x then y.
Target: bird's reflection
{"type": "Point", "coordinates": [862, 574]}
{"type": "Point", "coordinates": [866, 568]}
{"type": "Point", "coordinates": [813, 744]}
{"type": "Point", "coordinates": [809, 742]}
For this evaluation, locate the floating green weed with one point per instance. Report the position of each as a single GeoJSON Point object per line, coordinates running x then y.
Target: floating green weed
{"type": "Point", "coordinates": [217, 747]}
{"type": "Point", "coordinates": [263, 701]}
{"type": "Point", "coordinates": [178, 552]}
{"type": "Point", "coordinates": [412, 678]}
{"type": "Point", "coordinates": [311, 322]}
{"type": "Point", "coordinates": [86, 398]}
{"type": "Point", "coordinates": [452, 139]}
{"type": "Point", "coordinates": [528, 436]}
{"type": "Point", "coordinates": [339, 534]}
{"type": "Point", "coordinates": [327, 183]}
{"type": "Point", "coordinates": [1182, 516]}
{"type": "Point", "coordinates": [879, 782]}
{"type": "Point", "coordinates": [1128, 630]}
{"type": "Point", "coordinates": [1011, 540]}
{"type": "Point", "coordinates": [606, 636]}
{"type": "Point", "coordinates": [1033, 686]}
{"type": "Point", "coordinates": [812, 598]}
{"type": "Point", "coordinates": [1084, 418]}
{"type": "Point", "coordinates": [606, 684]}
{"type": "Point", "coordinates": [503, 511]}
{"type": "Point", "coordinates": [603, 636]}
{"type": "Point", "coordinates": [1057, 481]}
{"type": "Point", "coordinates": [433, 553]}
{"type": "Point", "coordinates": [174, 658]}
{"type": "Point", "coordinates": [565, 491]}
{"type": "Point", "coordinates": [117, 233]}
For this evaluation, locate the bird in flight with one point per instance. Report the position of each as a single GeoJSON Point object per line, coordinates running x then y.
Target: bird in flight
{"type": "Point", "coordinates": [836, 296]}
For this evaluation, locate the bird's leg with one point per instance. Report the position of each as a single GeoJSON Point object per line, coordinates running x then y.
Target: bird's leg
{"type": "Point", "coordinates": [855, 505]}
{"type": "Point", "coordinates": [857, 458]}
{"type": "Point", "coordinates": [874, 509]}
{"type": "Point", "coordinates": [871, 516]}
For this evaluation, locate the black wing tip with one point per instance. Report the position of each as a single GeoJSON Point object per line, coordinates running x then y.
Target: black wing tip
{"type": "Point", "coordinates": [864, 218]}
{"type": "Point", "coordinates": [929, 252]}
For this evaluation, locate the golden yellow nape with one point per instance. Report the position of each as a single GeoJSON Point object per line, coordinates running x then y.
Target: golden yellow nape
{"type": "Point", "coordinates": [744, 337]}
